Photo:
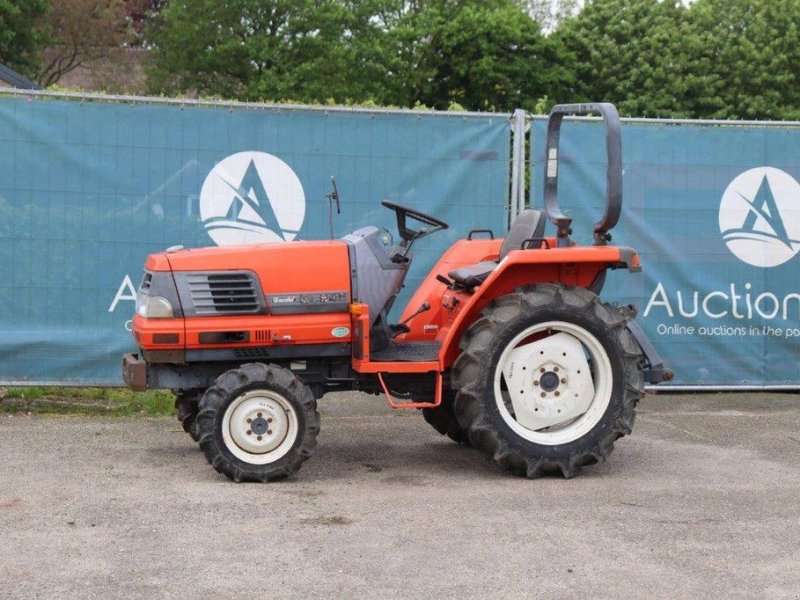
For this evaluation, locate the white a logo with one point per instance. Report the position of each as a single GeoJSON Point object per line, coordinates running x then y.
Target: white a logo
{"type": "Point", "coordinates": [759, 217]}
{"type": "Point", "coordinates": [252, 197]}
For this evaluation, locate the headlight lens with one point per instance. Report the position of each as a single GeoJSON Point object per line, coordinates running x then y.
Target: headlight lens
{"type": "Point", "coordinates": [153, 307]}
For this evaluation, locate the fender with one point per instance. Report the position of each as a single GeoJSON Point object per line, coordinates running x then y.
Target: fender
{"type": "Point", "coordinates": [578, 266]}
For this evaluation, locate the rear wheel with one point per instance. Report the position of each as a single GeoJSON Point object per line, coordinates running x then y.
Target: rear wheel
{"type": "Point", "coordinates": [548, 379]}
{"type": "Point", "coordinates": [258, 423]}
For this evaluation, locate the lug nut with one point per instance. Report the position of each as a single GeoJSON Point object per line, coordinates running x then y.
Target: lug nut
{"type": "Point", "coordinates": [249, 432]}
{"type": "Point", "coordinates": [541, 370]}
{"type": "Point", "coordinates": [555, 369]}
{"type": "Point", "coordinates": [259, 415]}
{"type": "Point", "coordinates": [535, 382]}
{"type": "Point", "coordinates": [543, 394]}
{"type": "Point", "coordinates": [249, 420]}
{"type": "Point", "coordinates": [269, 431]}
{"type": "Point", "coordinates": [269, 419]}
{"type": "Point", "coordinates": [558, 393]}
{"type": "Point", "coordinates": [259, 438]}
{"type": "Point", "coordinates": [563, 380]}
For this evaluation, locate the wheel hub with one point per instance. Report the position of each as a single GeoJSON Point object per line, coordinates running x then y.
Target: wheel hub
{"type": "Point", "coordinates": [549, 381]}
{"type": "Point", "coordinates": [259, 426]}
{"type": "Point", "coordinates": [258, 423]}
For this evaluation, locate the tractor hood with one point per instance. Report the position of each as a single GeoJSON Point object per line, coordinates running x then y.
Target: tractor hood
{"type": "Point", "coordinates": [282, 267]}
{"type": "Point", "coordinates": [241, 257]}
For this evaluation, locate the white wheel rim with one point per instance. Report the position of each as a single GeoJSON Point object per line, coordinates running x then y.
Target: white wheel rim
{"type": "Point", "coordinates": [583, 401]}
{"type": "Point", "coordinates": [259, 427]}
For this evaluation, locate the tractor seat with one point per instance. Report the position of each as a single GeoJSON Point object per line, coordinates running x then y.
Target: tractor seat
{"type": "Point", "coordinates": [528, 224]}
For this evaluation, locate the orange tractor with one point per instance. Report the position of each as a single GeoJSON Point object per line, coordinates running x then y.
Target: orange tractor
{"type": "Point", "coordinates": [505, 346]}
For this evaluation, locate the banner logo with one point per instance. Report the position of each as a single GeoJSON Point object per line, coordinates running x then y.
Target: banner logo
{"type": "Point", "coordinates": [759, 217]}
{"type": "Point", "coordinates": [252, 197]}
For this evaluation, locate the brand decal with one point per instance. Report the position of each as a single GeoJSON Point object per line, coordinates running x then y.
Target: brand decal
{"type": "Point", "coordinates": [252, 197]}
{"type": "Point", "coordinates": [759, 217]}
{"type": "Point", "coordinates": [340, 332]}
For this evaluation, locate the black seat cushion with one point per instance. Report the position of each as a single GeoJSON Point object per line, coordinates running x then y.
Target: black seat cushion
{"type": "Point", "coordinates": [472, 275]}
{"type": "Point", "coordinates": [528, 224]}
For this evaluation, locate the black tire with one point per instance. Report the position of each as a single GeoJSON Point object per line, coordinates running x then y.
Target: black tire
{"type": "Point", "coordinates": [187, 405]}
{"type": "Point", "coordinates": [443, 419]}
{"type": "Point", "coordinates": [297, 401]}
{"type": "Point", "coordinates": [473, 376]}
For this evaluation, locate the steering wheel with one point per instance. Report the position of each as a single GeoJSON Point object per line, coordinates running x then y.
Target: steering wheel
{"type": "Point", "coordinates": [408, 234]}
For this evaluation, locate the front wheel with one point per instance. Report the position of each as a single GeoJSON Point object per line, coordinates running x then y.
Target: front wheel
{"type": "Point", "coordinates": [258, 423]}
{"type": "Point", "coordinates": [548, 379]}
{"type": "Point", "coordinates": [187, 407]}
{"type": "Point", "coordinates": [443, 419]}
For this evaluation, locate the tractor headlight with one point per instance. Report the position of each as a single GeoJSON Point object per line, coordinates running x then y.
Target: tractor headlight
{"type": "Point", "coordinates": [153, 307]}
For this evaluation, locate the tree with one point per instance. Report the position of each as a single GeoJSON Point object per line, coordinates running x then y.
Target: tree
{"type": "Point", "coordinates": [633, 53]}
{"type": "Point", "coordinates": [80, 31]}
{"type": "Point", "coordinates": [303, 50]}
{"type": "Point", "coordinates": [751, 51]}
{"type": "Point", "coordinates": [138, 12]}
{"type": "Point", "coordinates": [20, 41]}
{"type": "Point", "coordinates": [494, 57]}
{"type": "Point", "coordinates": [480, 54]}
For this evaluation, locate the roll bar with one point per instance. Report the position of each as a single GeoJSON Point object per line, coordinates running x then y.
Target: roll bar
{"type": "Point", "coordinates": [613, 170]}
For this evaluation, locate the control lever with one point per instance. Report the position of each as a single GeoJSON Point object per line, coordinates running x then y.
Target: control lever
{"type": "Point", "coordinates": [444, 280]}
{"type": "Point", "coordinates": [401, 327]}
{"type": "Point", "coordinates": [332, 197]}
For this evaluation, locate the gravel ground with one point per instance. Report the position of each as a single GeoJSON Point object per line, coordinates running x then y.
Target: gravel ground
{"type": "Point", "coordinates": [702, 501]}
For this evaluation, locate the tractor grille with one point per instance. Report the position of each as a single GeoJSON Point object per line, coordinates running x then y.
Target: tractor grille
{"type": "Point", "coordinates": [223, 293]}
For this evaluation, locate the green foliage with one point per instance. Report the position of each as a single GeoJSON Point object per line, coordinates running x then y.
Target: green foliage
{"type": "Point", "coordinates": [631, 53]}
{"type": "Point", "coordinates": [20, 41]}
{"type": "Point", "coordinates": [712, 59]}
{"type": "Point", "coordinates": [751, 51]}
{"type": "Point", "coordinates": [305, 50]}
{"type": "Point", "coordinates": [654, 58]}
{"type": "Point", "coordinates": [492, 56]}
{"type": "Point", "coordinates": [482, 55]}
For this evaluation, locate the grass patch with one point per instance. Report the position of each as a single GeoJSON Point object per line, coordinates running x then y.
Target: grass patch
{"type": "Point", "coordinates": [86, 401]}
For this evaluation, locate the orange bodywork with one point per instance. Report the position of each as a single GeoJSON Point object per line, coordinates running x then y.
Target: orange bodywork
{"type": "Point", "coordinates": [280, 268]}
{"type": "Point", "coordinates": [452, 311]}
{"type": "Point", "coordinates": [297, 267]}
